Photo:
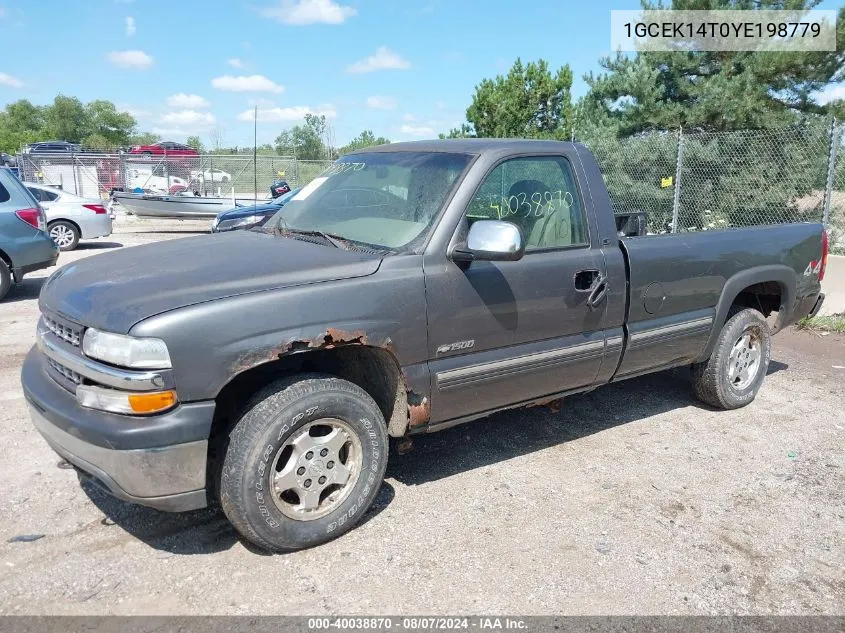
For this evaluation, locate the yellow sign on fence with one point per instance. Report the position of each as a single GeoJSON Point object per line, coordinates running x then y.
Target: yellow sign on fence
{"type": "Point", "coordinates": [665, 182]}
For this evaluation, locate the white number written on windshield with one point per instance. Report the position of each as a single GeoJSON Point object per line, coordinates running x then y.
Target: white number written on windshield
{"type": "Point", "coordinates": [340, 168]}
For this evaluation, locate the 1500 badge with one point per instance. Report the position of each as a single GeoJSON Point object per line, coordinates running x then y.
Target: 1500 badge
{"type": "Point", "coordinates": [456, 346]}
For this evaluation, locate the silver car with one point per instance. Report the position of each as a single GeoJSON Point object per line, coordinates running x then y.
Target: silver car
{"type": "Point", "coordinates": [24, 243]}
{"type": "Point", "coordinates": [71, 217]}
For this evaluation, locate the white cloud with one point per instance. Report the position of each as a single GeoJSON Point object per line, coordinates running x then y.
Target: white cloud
{"type": "Point", "coordinates": [235, 62]}
{"type": "Point", "coordinates": [246, 83]}
{"type": "Point", "coordinates": [291, 113]}
{"type": "Point", "coordinates": [188, 120]}
{"type": "Point", "coordinates": [383, 59]}
{"type": "Point", "coordinates": [416, 130]}
{"type": "Point", "coordinates": [381, 103]}
{"type": "Point", "coordinates": [8, 80]}
{"type": "Point", "coordinates": [137, 60]}
{"type": "Point", "coordinates": [409, 117]}
{"type": "Point", "coordinates": [831, 93]}
{"type": "Point", "coordinates": [130, 26]}
{"type": "Point", "coordinates": [182, 100]}
{"type": "Point", "coordinates": [301, 12]}
{"type": "Point", "coordinates": [138, 113]}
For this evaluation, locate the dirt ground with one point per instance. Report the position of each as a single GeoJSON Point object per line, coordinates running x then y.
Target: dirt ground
{"type": "Point", "coordinates": [633, 499]}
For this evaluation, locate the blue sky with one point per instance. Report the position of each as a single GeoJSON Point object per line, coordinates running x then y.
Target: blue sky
{"type": "Point", "coordinates": [403, 68]}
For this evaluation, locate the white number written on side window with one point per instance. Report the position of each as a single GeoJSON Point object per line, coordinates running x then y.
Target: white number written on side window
{"type": "Point", "coordinates": [538, 204]}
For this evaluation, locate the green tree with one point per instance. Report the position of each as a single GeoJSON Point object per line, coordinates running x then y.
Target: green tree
{"type": "Point", "coordinates": [712, 91]}
{"type": "Point", "coordinates": [465, 131]}
{"type": "Point", "coordinates": [104, 120]}
{"type": "Point", "coordinates": [98, 124]}
{"type": "Point", "coordinates": [196, 143]}
{"type": "Point", "coordinates": [67, 120]}
{"type": "Point", "coordinates": [143, 138]}
{"type": "Point", "coordinates": [21, 122]}
{"type": "Point", "coordinates": [528, 102]}
{"type": "Point", "coordinates": [735, 178]}
{"type": "Point", "coordinates": [98, 142]}
{"type": "Point", "coordinates": [305, 141]}
{"type": "Point", "coordinates": [363, 140]}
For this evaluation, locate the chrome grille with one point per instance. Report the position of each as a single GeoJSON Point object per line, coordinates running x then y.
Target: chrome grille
{"type": "Point", "coordinates": [67, 333]}
{"type": "Point", "coordinates": [64, 371]}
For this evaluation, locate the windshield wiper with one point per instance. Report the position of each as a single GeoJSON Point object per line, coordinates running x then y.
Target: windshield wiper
{"type": "Point", "coordinates": [338, 241]}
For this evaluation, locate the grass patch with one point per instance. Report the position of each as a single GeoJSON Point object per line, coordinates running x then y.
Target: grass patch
{"type": "Point", "coordinates": [827, 323]}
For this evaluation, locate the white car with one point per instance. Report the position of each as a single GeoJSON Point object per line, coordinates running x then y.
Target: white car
{"type": "Point", "coordinates": [70, 217]}
{"type": "Point", "coordinates": [212, 175]}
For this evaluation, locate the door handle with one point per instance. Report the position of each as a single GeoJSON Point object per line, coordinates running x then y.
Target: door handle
{"type": "Point", "coordinates": [598, 292]}
{"type": "Point", "coordinates": [585, 280]}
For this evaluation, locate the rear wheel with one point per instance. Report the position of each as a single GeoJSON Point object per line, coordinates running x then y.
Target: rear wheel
{"type": "Point", "coordinates": [64, 234]}
{"type": "Point", "coordinates": [304, 462]}
{"type": "Point", "coordinates": [735, 371]}
{"type": "Point", "coordinates": [5, 279]}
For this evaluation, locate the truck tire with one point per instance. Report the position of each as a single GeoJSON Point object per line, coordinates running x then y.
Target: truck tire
{"type": "Point", "coordinates": [5, 279]}
{"type": "Point", "coordinates": [733, 374]}
{"type": "Point", "coordinates": [304, 462]}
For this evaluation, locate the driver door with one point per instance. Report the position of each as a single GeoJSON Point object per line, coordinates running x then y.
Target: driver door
{"type": "Point", "coordinates": [507, 332]}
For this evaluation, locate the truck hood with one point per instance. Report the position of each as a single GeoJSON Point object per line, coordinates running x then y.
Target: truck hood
{"type": "Point", "coordinates": [116, 290]}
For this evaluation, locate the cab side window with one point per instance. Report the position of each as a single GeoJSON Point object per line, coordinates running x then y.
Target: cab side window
{"type": "Point", "coordinates": [539, 195]}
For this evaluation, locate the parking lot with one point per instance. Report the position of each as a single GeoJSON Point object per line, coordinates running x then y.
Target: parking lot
{"type": "Point", "coordinates": [632, 499]}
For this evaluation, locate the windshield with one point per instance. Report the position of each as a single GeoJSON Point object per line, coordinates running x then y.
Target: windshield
{"type": "Point", "coordinates": [386, 199]}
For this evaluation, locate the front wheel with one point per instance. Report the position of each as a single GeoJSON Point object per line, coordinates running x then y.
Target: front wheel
{"type": "Point", "coordinates": [734, 373]}
{"type": "Point", "coordinates": [64, 234]}
{"type": "Point", "coordinates": [304, 462]}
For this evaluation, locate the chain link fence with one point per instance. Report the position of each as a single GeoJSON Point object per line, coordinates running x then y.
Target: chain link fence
{"type": "Point", "coordinates": [96, 175]}
{"type": "Point", "coordinates": [717, 180]}
{"type": "Point", "coordinates": [682, 181]}
{"type": "Point", "coordinates": [836, 213]}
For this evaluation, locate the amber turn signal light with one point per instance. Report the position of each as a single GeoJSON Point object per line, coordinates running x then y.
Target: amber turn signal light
{"type": "Point", "coordinates": [152, 402]}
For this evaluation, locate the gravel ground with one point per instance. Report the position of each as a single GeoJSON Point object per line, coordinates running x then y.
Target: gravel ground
{"type": "Point", "coordinates": [633, 499]}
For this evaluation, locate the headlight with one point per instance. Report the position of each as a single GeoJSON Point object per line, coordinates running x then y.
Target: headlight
{"type": "Point", "coordinates": [236, 223]}
{"type": "Point", "coordinates": [126, 351]}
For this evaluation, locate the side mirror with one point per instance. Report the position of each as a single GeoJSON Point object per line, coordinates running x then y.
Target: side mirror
{"type": "Point", "coordinates": [491, 240]}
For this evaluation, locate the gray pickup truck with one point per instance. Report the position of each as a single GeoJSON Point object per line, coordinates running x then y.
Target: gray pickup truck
{"type": "Point", "coordinates": [409, 288]}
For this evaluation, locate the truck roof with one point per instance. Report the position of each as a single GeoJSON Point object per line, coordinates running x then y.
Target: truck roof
{"type": "Point", "coordinates": [471, 145]}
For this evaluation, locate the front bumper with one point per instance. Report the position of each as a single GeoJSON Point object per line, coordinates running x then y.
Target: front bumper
{"type": "Point", "coordinates": [157, 461]}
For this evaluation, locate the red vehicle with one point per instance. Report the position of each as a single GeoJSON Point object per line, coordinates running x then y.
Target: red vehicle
{"type": "Point", "coordinates": [166, 147]}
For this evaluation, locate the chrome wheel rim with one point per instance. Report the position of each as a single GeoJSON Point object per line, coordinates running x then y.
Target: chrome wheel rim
{"type": "Point", "coordinates": [744, 361]}
{"type": "Point", "coordinates": [62, 235]}
{"type": "Point", "coordinates": [316, 469]}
